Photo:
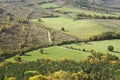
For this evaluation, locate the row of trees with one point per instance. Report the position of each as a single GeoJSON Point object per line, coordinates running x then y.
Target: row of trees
{"type": "Point", "coordinates": [23, 49]}
{"type": "Point", "coordinates": [20, 0]}
{"type": "Point", "coordinates": [83, 15]}
{"type": "Point", "coordinates": [97, 66]}
{"type": "Point", "coordinates": [109, 48]}
{"type": "Point", "coordinates": [77, 3]}
{"type": "Point", "coordinates": [88, 5]}
{"type": "Point", "coordinates": [105, 36]}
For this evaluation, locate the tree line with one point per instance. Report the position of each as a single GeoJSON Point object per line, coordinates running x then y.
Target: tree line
{"type": "Point", "coordinates": [105, 36]}
{"type": "Point", "coordinates": [95, 16]}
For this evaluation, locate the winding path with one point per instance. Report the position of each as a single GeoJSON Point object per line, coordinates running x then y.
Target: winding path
{"type": "Point", "coordinates": [49, 37]}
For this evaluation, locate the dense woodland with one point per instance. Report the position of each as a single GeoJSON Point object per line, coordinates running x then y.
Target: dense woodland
{"type": "Point", "coordinates": [97, 66]}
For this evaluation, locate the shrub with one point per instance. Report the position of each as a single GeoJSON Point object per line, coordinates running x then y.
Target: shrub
{"type": "Point", "coordinates": [84, 50]}
{"type": "Point", "coordinates": [79, 49]}
{"type": "Point", "coordinates": [64, 60]}
{"type": "Point", "coordinates": [61, 75]}
{"type": "Point", "coordinates": [11, 78]}
{"type": "Point", "coordinates": [39, 20]}
{"type": "Point", "coordinates": [110, 48]}
{"type": "Point", "coordinates": [86, 41]}
{"type": "Point", "coordinates": [41, 50]}
{"type": "Point", "coordinates": [63, 29]}
{"type": "Point", "coordinates": [8, 18]}
{"type": "Point", "coordinates": [38, 77]}
{"type": "Point", "coordinates": [17, 58]}
{"type": "Point", "coordinates": [21, 53]}
{"type": "Point", "coordinates": [92, 51]}
{"type": "Point", "coordinates": [21, 44]}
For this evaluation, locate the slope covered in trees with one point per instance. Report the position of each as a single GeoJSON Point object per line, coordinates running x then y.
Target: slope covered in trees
{"type": "Point", "coordinates": [97, 66]}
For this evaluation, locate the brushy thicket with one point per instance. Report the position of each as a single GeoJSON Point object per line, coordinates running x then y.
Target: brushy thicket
{"type": "Point", "coordinates": [105, 36]}
{"type": "Point", "coordinates": [19, 37]}
{"type": "Point", "coordinates": [97, 66]}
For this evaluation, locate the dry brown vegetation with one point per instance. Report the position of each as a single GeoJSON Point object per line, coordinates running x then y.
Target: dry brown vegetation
{"type": "Point", "coordinates": [17, 37]}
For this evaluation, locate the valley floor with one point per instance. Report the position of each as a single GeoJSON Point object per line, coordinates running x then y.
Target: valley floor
{"type": "Point", "coordinates": [60, 52]}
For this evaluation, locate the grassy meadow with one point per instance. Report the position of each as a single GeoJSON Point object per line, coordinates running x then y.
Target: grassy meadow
{"type": "Point", "coordinates": [80, 28]}
{"type": "Point", "coordinates": [49, 5]}
{"type": "Point", "coordinates": [53, 53]}
{"type": "Point", "coordinates": [60, 52]}
{"type": "Point", "coordinates": [78, 10]}
{"type": "Point", "coordinates": [99, 46]}
{"type": "Point", "coordinates": [74, 11]}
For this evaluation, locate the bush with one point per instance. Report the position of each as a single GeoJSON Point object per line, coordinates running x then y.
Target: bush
{"type": "Point", "coordinates": [63, 29]}
{"type": "Point", "coordinates": [41, 50]}
{"type": "Point", "coordinates": [92, 51]}
{"type": "Point", "coordinates": [38, 77]}
{"type": "Point", "coordinates": [39, 20]}
{"type": "Point", "coordinates": [17, 58]}
{"type": "Point", "coordinates": [84, 50]}
{"type": "Point", "coordinates": [110, 48]}
{"type": "Point", "coordinates": [11, 78]}
{"type": "Point", "coordinates": [86, 41]}
{"type": "Point", "coordinates": [61, 75]}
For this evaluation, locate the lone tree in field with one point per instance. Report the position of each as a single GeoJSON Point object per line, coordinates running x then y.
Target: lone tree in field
{"type": "Point", "coordinates": [63, 29]}
{"type": "Point", "coordinates": [39, 20]}
{"type": "Point", "coordinates": [41, 50]}
{"type": "Point", "coordinates": [17, 58]}
{"type": "Point", "coordinates": [110, 48]}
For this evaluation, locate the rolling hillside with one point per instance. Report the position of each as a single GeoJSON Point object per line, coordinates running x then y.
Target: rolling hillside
{"type": "Point", "coordinates": [59, 40]}
{"type": "Point", "coordinates": [113, 3]}
{"type": "Point", "coordinates": [18, 35]}
{"type": "Point", "coordinates": [100, 5]}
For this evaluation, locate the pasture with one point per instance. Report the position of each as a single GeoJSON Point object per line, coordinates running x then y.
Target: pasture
{"type": "Point", "coordinates": [99, 46]}
{"type": "Point", "coordinates": [78, 10]}
{"type": "Point", "coordinates": [74, 11]}
{"type": "Point", "coordinates": [49, 5]}
{"type": "Point", "coordinates": [81, 28]}
{"type": "Point", "coordinates": [60, 52]}
{"type": "Point", "coordinates": [53, 53]}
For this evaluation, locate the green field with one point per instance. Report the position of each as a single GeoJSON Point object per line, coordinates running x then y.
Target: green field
{"type": "Point", "coordinates": [74, 11]}
{"type": "Point", "coordinates": [59, 52]}
{"type": "Point", "coordinates": [99, 46]}
{"type": "Point", "coordinates": [54, 53]}
{"type": "Point", "coordinates": [77, 10]}
{"type": "Point", "coordinates": [80, 28]}
{"type": "Point", "coordinates": [49, 5]}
